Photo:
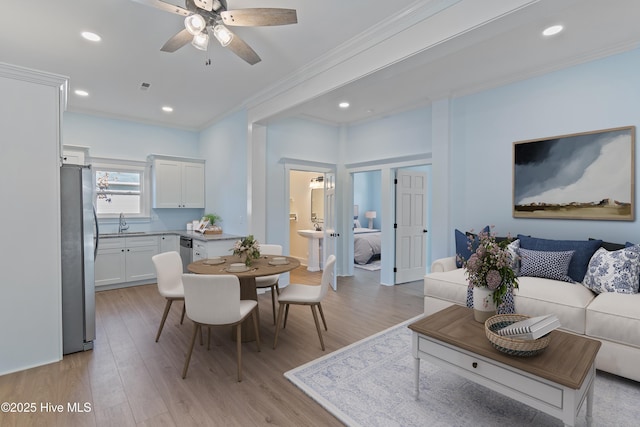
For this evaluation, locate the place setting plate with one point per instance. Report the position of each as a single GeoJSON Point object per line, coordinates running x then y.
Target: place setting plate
{"type": "Point", "coordinates": [237, 268]}
{"type": "Point", "coordinates": [213, 261]}
{"type": "Point", "coordinates": [278, 261]}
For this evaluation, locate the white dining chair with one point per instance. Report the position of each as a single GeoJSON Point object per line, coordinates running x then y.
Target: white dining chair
{"type": "Point", "coordinates": [311, 295]}
{"type": "Point", "coordinates": [214, 300]}
{"type": "Point", "coordinates": [270, 281]}
{"type": "Point", "coordinates": [169, 274]}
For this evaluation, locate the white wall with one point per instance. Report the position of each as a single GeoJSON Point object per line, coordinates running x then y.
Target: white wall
{"type": "Point", "coordinates": [597, 95]}
{"type": "Point", "coordinates": [31, 312]}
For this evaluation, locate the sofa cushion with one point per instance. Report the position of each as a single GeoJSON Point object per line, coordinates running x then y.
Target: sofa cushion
{"type": "Point", "coordinates": [449, 286]}
{"type": "Point", "coordinates": [615, 317]}
{"type": "Point", "coordinates": [536, 296]}
{"type": "Point", "coordinates": [546, 264]}
{"type": "Point", "coordinates": [462, 244]}
{"type": "Point", "coordinates": [610, 246]}
{"type": "Point", "coordinates": [615, 271]}
{"type": "Point", "coordinates": [584, 250]}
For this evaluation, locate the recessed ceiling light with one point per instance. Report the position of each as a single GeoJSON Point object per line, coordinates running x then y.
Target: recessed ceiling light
{"type": "Point", "coordinates": [81, 92]}
{"type": "Point", "coordinates": [93, 37]}
{"type": "Point", "coordinates": [554, 29]}
{"type": "Point", "coordinates": [343, 104]}
{"type": "Point", "coordinates": [167, 109]}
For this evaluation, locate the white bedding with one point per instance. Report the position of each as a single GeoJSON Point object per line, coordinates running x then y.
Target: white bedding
{"type": "Point", "coordinates": [366, 244]}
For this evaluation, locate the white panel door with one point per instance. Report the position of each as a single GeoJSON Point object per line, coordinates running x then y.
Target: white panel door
{"type": "Point", "coordinates": [330, 233]}
{"type": "Point", "coordinates": [411, 226]}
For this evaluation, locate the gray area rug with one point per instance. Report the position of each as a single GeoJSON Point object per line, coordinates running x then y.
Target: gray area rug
{"type": "Point", "coordinates": [370, 383]}
{"type": "Point", "coordinates": [372, 266]}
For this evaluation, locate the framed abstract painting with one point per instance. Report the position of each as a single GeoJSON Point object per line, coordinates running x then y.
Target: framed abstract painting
{"type": "Point", "coordinates": [589, 175]}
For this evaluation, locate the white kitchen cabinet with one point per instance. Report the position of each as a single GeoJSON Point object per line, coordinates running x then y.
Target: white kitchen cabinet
{"type": "Point", "coordinates": [110, 262]}
{"type": "Point", "coordinates": [169, 242]}
{"type": "Point", "coordinates": [177, 183]}
{"type": "Point", "coordinates": [124, 260]}
{"type": "Point", "coordinates": [74, 155]}
{"type": "Point", "coordinates": [199, 250]}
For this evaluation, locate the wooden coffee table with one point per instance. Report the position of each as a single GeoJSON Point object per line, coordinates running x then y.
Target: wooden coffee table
{"type": "Point", "coordinates": [556, 381]}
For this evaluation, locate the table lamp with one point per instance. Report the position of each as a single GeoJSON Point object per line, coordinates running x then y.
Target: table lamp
{"type": "Point", "coordinates": [370, 215]}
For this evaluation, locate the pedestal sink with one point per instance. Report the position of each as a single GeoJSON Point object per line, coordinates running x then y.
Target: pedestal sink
{"type": "Point", "coordinates": [314, 237]}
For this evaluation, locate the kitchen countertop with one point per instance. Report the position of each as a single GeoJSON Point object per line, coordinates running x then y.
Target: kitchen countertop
{"type": "Point", "coordinates": [184, 233]}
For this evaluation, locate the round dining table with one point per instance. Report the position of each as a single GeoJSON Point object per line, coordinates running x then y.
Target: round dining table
{"type": "Point", "coordinates": [263, 266]}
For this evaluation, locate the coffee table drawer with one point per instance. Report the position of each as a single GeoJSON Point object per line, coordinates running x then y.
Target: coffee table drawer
{"type": "Point", "coordinates": [520, 383]}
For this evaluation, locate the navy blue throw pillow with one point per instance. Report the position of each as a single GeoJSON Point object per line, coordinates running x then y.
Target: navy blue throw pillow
{"type": "Point", "coordinates": [583, 251]}
{"type": "Point", "coordinates": [462, 245]}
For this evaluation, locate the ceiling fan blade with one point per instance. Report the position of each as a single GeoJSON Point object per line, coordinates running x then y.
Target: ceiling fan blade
{"type": "Point", "coordinates": [243, 50]}
{"type": "Point", "coordinates": [165, 6]}
{"type": "Point", "coordinates": [257, 17]}
{"type": "Point", "coordinates": [177, 41]}
{"type": "Point", "coordinates": [204, 4]}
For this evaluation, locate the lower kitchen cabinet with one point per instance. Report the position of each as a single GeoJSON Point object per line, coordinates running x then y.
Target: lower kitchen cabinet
{"type": "Point", "coordinates": [125, 260]}
{"type": "Point", "coordinates": [169, 243]}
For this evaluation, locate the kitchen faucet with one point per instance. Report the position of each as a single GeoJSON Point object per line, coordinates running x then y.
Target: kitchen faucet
{"type": "Point", "coordinates": [123, 224]}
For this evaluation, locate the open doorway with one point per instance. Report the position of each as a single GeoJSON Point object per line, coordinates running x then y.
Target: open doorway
{"type": "Point", "coordinates": [306, 211]}
{"type": "Point", "coordinates": [367, 220]}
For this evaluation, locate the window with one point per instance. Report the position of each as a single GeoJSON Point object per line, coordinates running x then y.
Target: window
{"type": "Point", "coordinates": [120, 187]}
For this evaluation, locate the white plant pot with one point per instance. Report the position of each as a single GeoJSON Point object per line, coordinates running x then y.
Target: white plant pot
{"type": "Point", "coordinates": [483, 305]}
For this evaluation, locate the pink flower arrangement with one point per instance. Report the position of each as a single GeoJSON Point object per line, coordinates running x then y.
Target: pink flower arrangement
{"type": "Point", "coordinates": [489, 265]}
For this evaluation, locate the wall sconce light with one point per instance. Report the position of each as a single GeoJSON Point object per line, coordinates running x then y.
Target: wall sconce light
{"type": "Point", "coordinates": [370, 215]}
{"type": "Point", "coordinates": [317, 182]}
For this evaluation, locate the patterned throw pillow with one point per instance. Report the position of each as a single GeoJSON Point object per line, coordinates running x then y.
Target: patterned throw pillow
{"type": "Point", "coordinates": [616, 271]}
{"type": "Point", "coordinates": [546, 264]}
{"type": "Point", "coordinates": [514, 253]}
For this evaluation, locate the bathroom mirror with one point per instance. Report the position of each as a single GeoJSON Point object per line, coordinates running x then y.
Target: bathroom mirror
{"type": "Point", "coordinates": [317, 204]}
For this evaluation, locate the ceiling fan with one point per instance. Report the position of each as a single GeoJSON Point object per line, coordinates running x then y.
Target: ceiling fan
{"type": "Point", "coordinates": [204, 18]}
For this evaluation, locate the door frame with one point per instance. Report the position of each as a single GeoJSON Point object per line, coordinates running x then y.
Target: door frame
{"type": "Point", "coordinates": [302, 166]}
{"type": "Point", "coordinates": [388, 168]}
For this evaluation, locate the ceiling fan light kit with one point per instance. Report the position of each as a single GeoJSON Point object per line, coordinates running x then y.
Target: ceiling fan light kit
{"type": "Point", "coordinates": [194, 24]}
{"type": "Point", "coordinates": [223, 34]}
{"type": "Point", "coordinates": [206, 16]}
{"type": "Point", "coordinates": [200, 41]}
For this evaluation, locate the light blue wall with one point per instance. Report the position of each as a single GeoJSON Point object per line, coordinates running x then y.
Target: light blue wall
{"type": "Point", "coordinates": [306, 142]}
{"type": "Point", "coordinates": [224, 147]}
{"type": "Point", "coordinates": [120, 139]}
{"type": "Point", "coordinates": [597, 95]}
{"type": "Point", "coordinates": [366, 194]}
{"type": "Point", "coordinates": [399, 135]}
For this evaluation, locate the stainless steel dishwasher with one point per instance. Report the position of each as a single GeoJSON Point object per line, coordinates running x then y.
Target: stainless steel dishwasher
{"type": "Point", "coordinates": [186, 252]}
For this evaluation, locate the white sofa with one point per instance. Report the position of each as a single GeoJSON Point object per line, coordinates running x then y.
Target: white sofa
{"type": "Point", "coordinates": [612, 318]}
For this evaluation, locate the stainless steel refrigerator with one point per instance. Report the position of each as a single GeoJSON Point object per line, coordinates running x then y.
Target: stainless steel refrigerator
{"type": "Point", "coordinates": [79, 235]}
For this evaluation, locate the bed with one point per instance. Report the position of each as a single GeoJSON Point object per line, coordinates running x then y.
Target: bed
{"type": "Point", "coordinates": [366, 245]}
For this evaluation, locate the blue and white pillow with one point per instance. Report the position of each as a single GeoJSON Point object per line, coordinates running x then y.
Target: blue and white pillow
{"type": "Point", "coordinates": [546, 264]}
{"type": "Point", "coordinates": [514, 253]}
{"type": "Point", "coordinates": [615, 271]}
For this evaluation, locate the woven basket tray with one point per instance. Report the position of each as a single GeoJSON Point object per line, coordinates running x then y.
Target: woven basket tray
{"type": "Point", "coordinates": [512, 346]}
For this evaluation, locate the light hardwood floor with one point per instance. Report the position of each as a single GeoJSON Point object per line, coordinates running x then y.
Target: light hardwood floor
{"type": "Point", "coordinates": [130, 380]}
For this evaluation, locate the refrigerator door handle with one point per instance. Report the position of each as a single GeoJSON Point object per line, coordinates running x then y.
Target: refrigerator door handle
{"type": "Point", "coordinates": [95, 221]}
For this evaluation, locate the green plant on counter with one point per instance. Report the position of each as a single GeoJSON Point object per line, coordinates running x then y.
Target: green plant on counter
{"type": "Point", "coordinates": [213, 218]}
